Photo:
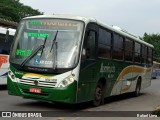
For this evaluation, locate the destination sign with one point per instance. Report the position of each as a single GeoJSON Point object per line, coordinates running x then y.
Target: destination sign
{"type": "Point", "coordinates": [40, 35]}
{"type": "Point", "coordinates": [54, 25]}
{"type": "Point", "coordinates": [65, 24]}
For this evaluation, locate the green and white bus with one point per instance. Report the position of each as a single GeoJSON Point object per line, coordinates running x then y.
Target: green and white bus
{"type": "Point", "coordinates": [73, 59]}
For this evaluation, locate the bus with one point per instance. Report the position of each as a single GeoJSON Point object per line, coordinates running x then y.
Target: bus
{"type": "Point", "coordinates": [74, 59]}
{"type": "Point", "coordinates": [6, 38]}
{"type": "Point", "coordinates": [156, 70]}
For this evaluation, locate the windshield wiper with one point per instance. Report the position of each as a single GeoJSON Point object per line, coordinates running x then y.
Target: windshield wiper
{"type": "Point", "coordinates": [34, 53]}
{"type": "Point", "coordinates": [55, 51]}
{"type": "Point", "coordinates": [54, 40]}
{"type": "Point", "coordinates": [43, 46]}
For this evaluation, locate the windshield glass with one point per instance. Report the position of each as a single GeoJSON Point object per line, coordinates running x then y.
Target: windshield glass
{"type": "Point", "coordinates": [59, 40]}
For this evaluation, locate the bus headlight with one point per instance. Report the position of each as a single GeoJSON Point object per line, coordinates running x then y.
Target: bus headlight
{"type": "Point", "coordinates": [66, 81]}
{"type": "Point", "coordinates": [9, 73]}
{"type": "Point", "coordinates": [11, 76]}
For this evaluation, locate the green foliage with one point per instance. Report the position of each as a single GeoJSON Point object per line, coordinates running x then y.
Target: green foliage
{"type": "Point", "coordinates": [154, 39]}
{"type": "Point", "coordinates": [14, 10]}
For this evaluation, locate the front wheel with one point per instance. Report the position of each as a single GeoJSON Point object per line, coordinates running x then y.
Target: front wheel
{"type": "Point", "coordinates": [98, 95]}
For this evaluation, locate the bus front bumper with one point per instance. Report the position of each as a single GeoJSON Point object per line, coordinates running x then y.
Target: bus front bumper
{"type": "Point", "coordinates": [64, 95]}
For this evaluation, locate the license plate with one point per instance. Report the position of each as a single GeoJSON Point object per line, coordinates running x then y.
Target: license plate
{"type": "Point", "coordinates": [35, 90]}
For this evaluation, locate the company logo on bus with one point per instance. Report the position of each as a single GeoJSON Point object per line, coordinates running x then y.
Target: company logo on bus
{"type": "Point", "coordinates": [107, 68]}
{"type": "Point", "coordinates": [36, 82]}
{"type": "Point", "coordinates": [3, 59]}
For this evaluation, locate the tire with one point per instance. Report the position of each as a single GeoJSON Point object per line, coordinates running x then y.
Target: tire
{"type": "Point", "coordinates": [138, 88]}
{"type": "Point", "coordinates": [98, 95]}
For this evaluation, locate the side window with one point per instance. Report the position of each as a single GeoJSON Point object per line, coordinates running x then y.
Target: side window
{"type": "Point", "coordinates": [117, 47]}
{"type": "Point", "coordinates": [137, 52]}
{"type": "Point", "coordinates": [144, 54]}
{"type": "Point", "coordinates": [149, 57]}
{"type": "Point", "coordinates": [3, 45]}
{"type": "Point", "coordinates": [89, 46]}
{"type": "Point", "coordinates": [9, 42]}
{"type": "Point", "coordinates": [104, 44]}
{"type": "Point", "coordinates": [128, 50]}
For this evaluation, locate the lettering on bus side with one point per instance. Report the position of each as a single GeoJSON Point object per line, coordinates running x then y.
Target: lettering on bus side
{"type": "Point", "coordinates": [110, 69]}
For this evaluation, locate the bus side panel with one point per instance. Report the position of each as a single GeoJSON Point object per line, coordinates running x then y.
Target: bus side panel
{"type": "Point", "coordinates": [105, 70]}
{"type": "Point", "coordinates": [129, 76]}
{"type": "Point", "coordinates": [86, 83]}
{"type": "Point", "coordinates": [120, 78]}
{"type": "Point", "coordinates": [146, 77]}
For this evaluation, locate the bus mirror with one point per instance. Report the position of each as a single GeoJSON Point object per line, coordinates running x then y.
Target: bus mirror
{"type": "Point", "coordinates": [7, 35]}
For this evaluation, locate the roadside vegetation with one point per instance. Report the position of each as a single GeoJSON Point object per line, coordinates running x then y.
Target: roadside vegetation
{"type": "Point", "coordinates": [153, 39]}
{"type": "Point", "coordinates": [13, 10]}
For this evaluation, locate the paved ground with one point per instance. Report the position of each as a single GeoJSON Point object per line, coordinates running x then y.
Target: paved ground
{"type": "Point", "coordinates": [147, 101]}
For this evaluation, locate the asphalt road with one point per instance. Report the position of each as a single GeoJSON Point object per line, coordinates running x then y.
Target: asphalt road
{"type": "Point", "coordinates": [147, 101]}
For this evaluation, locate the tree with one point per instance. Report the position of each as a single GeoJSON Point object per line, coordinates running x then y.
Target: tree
{"type": "Point", "coordinates": [14, 10]}
{"type": "Point", "coordinates": [154, 39]}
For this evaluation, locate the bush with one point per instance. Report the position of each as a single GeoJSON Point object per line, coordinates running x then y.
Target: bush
{"type": "Point", "coordinates": [156, 112]}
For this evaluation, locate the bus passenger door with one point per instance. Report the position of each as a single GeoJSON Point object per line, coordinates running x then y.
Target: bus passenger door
{"type": "Point", "coordinates": [88, 67]}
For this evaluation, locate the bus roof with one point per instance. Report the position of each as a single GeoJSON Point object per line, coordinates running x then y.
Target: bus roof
{"type": "Point", "coordinates": [87, 20]}
{"type": "Point", "coordinates": [3, 30]}
{"type": "Point", "coordinates": [11, 31]}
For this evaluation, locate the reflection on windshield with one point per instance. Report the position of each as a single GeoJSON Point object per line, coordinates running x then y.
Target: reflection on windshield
{"type": "Point", "coordinates": [61, 46]}
{"type": "Point", "coordinates": [34, 53]}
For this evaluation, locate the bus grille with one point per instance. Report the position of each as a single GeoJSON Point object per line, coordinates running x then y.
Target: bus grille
{"type": "Point", "coordinates": [39, 83]}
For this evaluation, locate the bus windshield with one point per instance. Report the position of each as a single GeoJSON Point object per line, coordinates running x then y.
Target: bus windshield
{"type": "Point", "coordinates": [59, 40]}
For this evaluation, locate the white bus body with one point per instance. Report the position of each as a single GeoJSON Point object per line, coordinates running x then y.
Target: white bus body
{"type": "Point", "coordinates": [5, 44]}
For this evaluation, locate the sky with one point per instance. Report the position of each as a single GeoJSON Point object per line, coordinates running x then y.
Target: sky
{"type": "Point", "coordinates": [135, 16]}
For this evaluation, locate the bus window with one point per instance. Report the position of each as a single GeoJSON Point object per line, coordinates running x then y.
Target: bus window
{"type": "Point", "coordinates": [137, 52]}
{"type": "Point", "coordinates": [149, 57]}
{"type": "Point", "coordinates": [104, 44]}
{"type": "Point", "coordinates": [118, 47]}
{"type": "Point", "coordinates": [128, 50]}
{"type": "Point", "coordinates": [89, 46]}
{"type": "Point", "coordinates": [4, 49]}
{"type": "Point", "coordinates": [144, 54]}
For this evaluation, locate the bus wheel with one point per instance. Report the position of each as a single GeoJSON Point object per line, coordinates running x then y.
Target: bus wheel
{"type": "Point", "coordinates": [138, 88]}
{"type": "Point", "coordinates": [98, 95]}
